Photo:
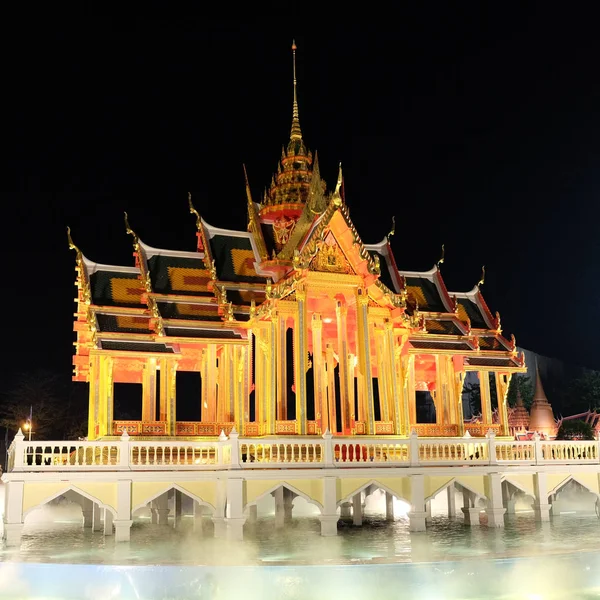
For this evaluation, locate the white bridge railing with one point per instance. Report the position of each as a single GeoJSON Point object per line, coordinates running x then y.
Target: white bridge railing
{"type": "Point", "coordinates": [233, 452]}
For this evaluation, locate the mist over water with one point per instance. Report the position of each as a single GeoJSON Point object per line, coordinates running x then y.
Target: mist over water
{"type": "Point", "coordinates": [59, 559]}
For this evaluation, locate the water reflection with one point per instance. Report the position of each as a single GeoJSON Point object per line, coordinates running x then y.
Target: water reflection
{"type": "Point", "coordinates": [300, 543]}
{"type": "Point", "coordinates": [525, 560]}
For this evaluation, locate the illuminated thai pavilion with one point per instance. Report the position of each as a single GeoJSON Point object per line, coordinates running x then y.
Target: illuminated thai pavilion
{"type": "Point", "coordinates": [294, 326]}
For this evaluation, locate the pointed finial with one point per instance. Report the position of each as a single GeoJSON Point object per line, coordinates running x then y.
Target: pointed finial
{"type": "Point", "coordinates": [482, 280]}
{"type": "Point", "coordinates": [441, 261]}
{"type": "Point", "coordinates": [193, 211]}
{"type": "Point", "coordinates": [296, 131]}
{"type": "Point", "coordinates": [72, 246]}
{"type": "Point", "coordinates": [393, 229]}
{"type": "Point", "coordinates": [248, 192]}
{"type": "Point", "coordinates": [337, 197]}
{"type": "Point", "coordinates": [498, 322]}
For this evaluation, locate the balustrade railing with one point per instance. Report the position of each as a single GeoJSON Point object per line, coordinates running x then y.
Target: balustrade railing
{"type": "Point", "coordinates": [327, 451]}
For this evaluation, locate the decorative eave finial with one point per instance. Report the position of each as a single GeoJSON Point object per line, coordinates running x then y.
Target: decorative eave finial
{"type": "Point", "coordinates": [482, 280]}
{"type": "Point", "coordinates": [393, 229]}
{"type": "Point", "coordinates": [498, 323]}
{"type": "Point", "coordinates": [72, 245]}
{"type": "Point", "coordinates": [337, 197]}
{"type": "Point", "coordinates": [296, 133]}
{"type": "Point", "coordinates": [193, 211]}
{"type": "Point", "coordinates": [442, 257]}
{"type": "Point", "coordinates": [129, 230]}
{"type": "Point", "coordinates": [85, 283]}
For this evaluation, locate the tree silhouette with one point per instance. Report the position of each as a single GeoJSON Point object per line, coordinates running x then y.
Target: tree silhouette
{"type": "Point", "coordinates": [56, 406]}
{"type": "Point", "coordinates": [524, 385]}
{"type": "Point", "coordinates": [584, 392]}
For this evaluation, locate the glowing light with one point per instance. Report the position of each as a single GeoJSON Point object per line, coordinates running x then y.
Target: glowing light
{"type": "Point", "coordinates": [26, 426]}
{"type": "Point", "coordinates": [327, 320]}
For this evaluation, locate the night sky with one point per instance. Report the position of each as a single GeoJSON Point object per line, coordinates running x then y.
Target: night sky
{"type": "Point", "coordinates": [477, 129]}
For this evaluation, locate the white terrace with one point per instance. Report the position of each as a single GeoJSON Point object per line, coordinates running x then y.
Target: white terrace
{"type": "Point", "coordinates": [227, 477]}
{"type": "Point", "coordinates": [232, 452]}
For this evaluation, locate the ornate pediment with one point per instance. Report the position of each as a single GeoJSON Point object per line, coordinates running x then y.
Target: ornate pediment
{"type": "Point", "coordinates": [330, 258]}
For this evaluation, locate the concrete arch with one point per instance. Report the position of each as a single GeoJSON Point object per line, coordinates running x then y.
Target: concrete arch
{"type": "Point", "coordinates": [376, 484]}
{"type": "Point", "coordinates": [519, 486]}
{"type": "Point", "coordinates": [566, 482]}
{"type": "Point", "coordinates": [70, 488]}
{"type": "Point", "coordinates": [288, 486]}
{"type": "Point", "coordinates": [479, 495]}
{"type": "Point", "coordinates": [444, 488]}
{"type": "Point", "coordinates": [170, 487]}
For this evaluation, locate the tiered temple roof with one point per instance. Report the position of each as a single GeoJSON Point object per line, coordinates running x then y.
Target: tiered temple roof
{"type": "Point", "coordinates": [301, 237]}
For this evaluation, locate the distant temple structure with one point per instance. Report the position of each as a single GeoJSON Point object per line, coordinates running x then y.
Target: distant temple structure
{"type": "Point", "coordinates": [518, 417]}
{"type": "Point", "coordinates": [293, 327]}
{"type": "Point", "coordinates": [541, 418]}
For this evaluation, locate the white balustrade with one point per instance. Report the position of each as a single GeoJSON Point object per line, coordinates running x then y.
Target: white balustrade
{"type": "Point", "coordinates": [165, 455]}
{"type": "Point", "coordinates": [444, 451]}
{"type": "Point", "coordinates": [233, 452]}
{"type": "Point", "coordinates": [367, 451]}
{"type": "Point", "coordinates": [515, 452]}
{"type": "Point", "coordinates": [289, 452]}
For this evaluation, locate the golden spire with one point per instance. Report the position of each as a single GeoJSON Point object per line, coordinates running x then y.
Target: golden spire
{"type": "Point", "coordinates": [482, 280]}
{"type": "Point", "coordinates": [296, 133]}
{"type": "Point", "coordinates": [439, 262]}
{"type": "Point", "coordinates": [337, 197]}
{"type": "Point", "coordinates": [193, 211]}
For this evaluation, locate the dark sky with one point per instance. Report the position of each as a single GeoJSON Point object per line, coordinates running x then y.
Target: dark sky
{"type": "Point", "coordinates": [478, 129]}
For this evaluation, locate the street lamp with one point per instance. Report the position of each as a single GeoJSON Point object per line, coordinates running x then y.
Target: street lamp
{"type": "Point", "coordinates": [27, 427]}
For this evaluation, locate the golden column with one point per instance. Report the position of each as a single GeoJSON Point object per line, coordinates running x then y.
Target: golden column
{"type": "Point", "coordinates": [486, 398]}
{"type": "Point", "coordinates": [101, 419]}
{"type": "Point", "coordinates": [203, 393]}
{"type": "Point", "coordinates": [172, 397]}
{"type": "Point", "coordinates": [230, 374]}
{"type": "Point", "coordinates": [459, 379]}
{"type": "Point", "coordinates": [331, 423]}
{"type": "Point", "coordinates": [225, 395]}
{"type": "Point", "coordinates": [164, 390]}
{"type": "Point", "coordinates": [364, 357]}
{"type": "Point", "coordinates": [300, 359]}
{"type": "Point", "coordinates": [240, 412]}
{"type": "Point", "coordinates": [319, 373]}
{"type": "Point", "coordinates": [271, 375]}
{"type": "Point", "coordinates": [502, 385]}
{"type": "Point", "coordinates": [94, 410]}
{"type": "Point", "coordinates": [347, 412]}
{"type": "Point", "coordinates": [360, 387]}
{"type": "Point", "coordinates": [403, 370]}
{"type": "Point", "coordinates": [282, 367]}
{"type": "Point", "coordinates": [149, 391]}
{"type": "Point", "coordinates": [211, 384]}
{"type": "Point", "coordinates": [260, 384]}
{"type": "Point", "coordinates": [396, 395]}
{"type": "Point", "coordinates": [379, 336]}
{"type": "Point", "coordinates": [106, 396]}
{"type": "Point", "coordinates": [439, 397]}
{"type": "Point", "coordinates": [249, 381]}
{"type": "Point", "coordinates": [168, 382]}
{"type": "Point", "coordinates": [412, 392]}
